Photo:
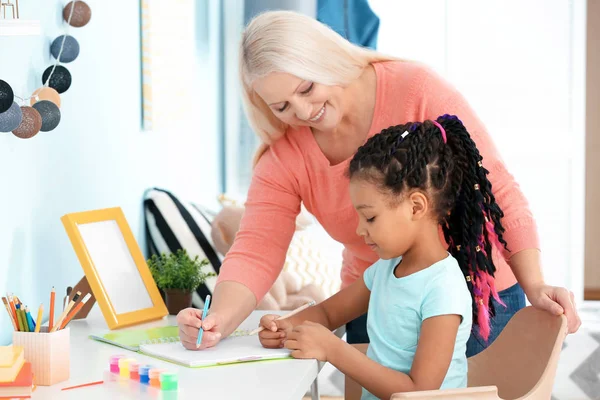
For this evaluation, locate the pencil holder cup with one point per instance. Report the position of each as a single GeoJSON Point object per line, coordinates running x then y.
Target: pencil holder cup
{"type": "Point", "coordinates": [48, 353]}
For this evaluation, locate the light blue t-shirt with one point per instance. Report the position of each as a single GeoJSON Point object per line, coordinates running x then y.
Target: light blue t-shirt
{"type": "Point", "coordinates": [398, 307]}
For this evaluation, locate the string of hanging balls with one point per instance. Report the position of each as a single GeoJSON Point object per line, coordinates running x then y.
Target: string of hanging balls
{"type": "Point", "coordinates": [41, 111]}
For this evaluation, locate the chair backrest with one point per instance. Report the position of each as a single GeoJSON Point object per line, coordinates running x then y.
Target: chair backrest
{"type": "Point", "coordinates": [522, 361]}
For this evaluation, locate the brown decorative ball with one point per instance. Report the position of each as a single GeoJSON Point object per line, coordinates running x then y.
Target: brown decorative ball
{"type": "Point", "coordinates": [81, 14]}
{"type": "Point", "coordinates": [45, 93]}
{"type": "Point", "coordinates": [30, 125]}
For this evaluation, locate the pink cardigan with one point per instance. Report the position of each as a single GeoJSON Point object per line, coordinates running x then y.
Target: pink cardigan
{"type": "Point", "coordinates": [294, 170]}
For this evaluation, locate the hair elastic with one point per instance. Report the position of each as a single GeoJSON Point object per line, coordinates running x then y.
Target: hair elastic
{"type": "Point", "coordinates": [400, 139]}
{"type": "Point", "coordinates": [441, 129]}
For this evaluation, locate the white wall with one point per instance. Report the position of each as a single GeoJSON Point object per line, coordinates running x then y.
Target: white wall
{"type": "Point", "coordinates": [521, 66]}
{"type": "Point", "coordinates": [98, 157]}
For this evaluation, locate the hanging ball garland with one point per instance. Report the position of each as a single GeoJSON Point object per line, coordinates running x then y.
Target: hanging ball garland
{"type": "Point", "coordinates": [31, 124]}
{"type": "Point", "coordinates": [6, 96]}
{"type": "Point", "coordinates": [45, 93]}
{"type": "Point", "coordinates": [81, 14]}
{"type": "Point", "coordinates": [70, 48]}
{"type": "Point", "coordinates": [50, 114]}
{"type": "Point", "coordinates": [60, 80]}
{"type": "Point", "coordinates": [25, 122]}
{"type": "Point", "coordinates": [11, 118]}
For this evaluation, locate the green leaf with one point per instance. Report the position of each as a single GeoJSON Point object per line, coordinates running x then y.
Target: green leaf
{"type": "Point", "coordinates": [178, 270]}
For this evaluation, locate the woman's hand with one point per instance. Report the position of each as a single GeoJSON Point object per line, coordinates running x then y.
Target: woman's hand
{"type": "Point", "coordinates": [190, 321]}
{"type": "Point", "coordinates": [526, 265]}
{"type": "Point", "coordinates": [275, 332]}
{"type": "Point", "coordinates": [556, 300]}
{"type": "Point", "coordinates": [312, 340]}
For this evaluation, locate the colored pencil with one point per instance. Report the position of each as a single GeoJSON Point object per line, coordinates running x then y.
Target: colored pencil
{"type": "Point", "coordinates": [51, 321]}
{"type": "Point", "coordinates": [296, 311]}
{"type": "Point", "coordinates": [10, 315]}
{"type": "Point", "coordinates": [74, 312]}
{"type": "Point", "coordinates": [83, 385]}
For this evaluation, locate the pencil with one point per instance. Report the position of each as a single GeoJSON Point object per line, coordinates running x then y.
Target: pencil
{"type": "Point", "coordinates": [64, 313]}
{"type": "Point", "coordinates": [12, 319]}
{"type": "Point", "coordinates": [296, 311]}
{"type": "Point", "coordinates": [51, 321]}
{"type": "Point", "coordinates": [74, 312]}
{"type": "Point", "coordinates": [19, 322]}
{"type": "Point", "coordinates": [11, 304]}
{"type": "Point", "coordinates": [84, 385]}
{"type": "Point", "coordinates": [29, 320]}
{"type": "Point", "coordinates": [38, 323]}
{"type": "Point", "coordinates": [22, 319]}
{"type": "Point", "coordinates": [11, 301]}
{"type": "Point", "coordinates": [17, 319]}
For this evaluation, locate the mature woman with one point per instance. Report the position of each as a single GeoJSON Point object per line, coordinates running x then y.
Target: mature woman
{"type": "Point", "coordinates": [314, 98]}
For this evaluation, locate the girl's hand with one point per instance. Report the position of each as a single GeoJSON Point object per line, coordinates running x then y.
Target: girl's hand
{"type": "Point", "coordinates": [190, 321]}
{"type": "Point", "coordinates": [275, 332]}
{"type": "Point", "coordinates": [311, 340]}
{"type": "Point", "coordinates": [556, 300]}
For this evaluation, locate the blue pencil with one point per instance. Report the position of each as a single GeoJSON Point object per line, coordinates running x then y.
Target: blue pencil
{"type": "Point", "coordinates": [30, 323]}
{"type": "Point", "coordinates": [204, 312]}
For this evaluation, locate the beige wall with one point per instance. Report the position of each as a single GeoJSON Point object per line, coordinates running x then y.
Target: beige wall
{"type": "Point", "coordinates": [592, 231]}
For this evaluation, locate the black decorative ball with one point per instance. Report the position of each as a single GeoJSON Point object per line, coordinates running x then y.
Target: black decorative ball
{"type": "Point", "coordinates": [70, 49]}
{"type": "Point", "coordinates": [61, 78]}
{"type": "Point", "coordinates": [11, 118]}
{"type": "Point", "coordinates": [6, 96]}
{"type": "Point", "coordinates": [50, 114]}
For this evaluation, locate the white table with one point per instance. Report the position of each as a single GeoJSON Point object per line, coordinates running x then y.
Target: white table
{"type": "Point", "coordinates": [280, 379]}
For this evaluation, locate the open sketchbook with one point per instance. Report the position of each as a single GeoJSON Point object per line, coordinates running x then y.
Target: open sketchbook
{"type": "Point", "coordinates": [133, 339]}
{"type": "Point", "coordinates": [234, 349]}
{"type": "Point", "coordinates": [163, 343]}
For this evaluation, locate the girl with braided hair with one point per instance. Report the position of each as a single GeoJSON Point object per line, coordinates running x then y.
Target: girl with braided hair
{"type": "Point", "coordinates": [313, 99]}
{"type": "Point", "coordinates": [427, 290]}
{"type": "Point", "coordinates": [439, 163]}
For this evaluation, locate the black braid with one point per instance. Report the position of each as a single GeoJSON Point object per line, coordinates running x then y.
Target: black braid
{"type": "Point", "coordinates": [453, 176]}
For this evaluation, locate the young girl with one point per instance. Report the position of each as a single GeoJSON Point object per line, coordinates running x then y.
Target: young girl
{"type": "Point", "coordinates": [423, 295]}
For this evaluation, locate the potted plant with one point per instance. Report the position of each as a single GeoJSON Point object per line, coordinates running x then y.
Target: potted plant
{"type": "Point", "coordinates": [178, 275]}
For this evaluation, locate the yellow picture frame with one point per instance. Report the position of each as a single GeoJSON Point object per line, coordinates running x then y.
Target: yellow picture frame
{"type": "Point", "coordinates": [110, 262]}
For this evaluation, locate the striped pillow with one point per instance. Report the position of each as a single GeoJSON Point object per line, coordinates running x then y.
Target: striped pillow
{"type": "Point", "coordinates": [172, 224]}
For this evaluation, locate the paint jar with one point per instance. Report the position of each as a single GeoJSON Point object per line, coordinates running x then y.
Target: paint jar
{"type": "Point", "coordinates": [154, 376]}
{"type": "Point", "coordinates": [124, 366]}
{"type": "Point", "coordinates": [169, 380]}
{"type": "Point", "coordinates": [114, 363]}
{"type": "Point", "coordinates": [134, 367]}
{"type": "Point", "coordinates": [143, 372]}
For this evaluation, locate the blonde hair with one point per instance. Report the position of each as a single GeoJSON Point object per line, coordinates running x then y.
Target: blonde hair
{"type": "Point", "coordinates": [285, 41]}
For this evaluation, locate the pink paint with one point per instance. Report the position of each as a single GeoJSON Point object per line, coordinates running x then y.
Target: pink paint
{"type": "Point", "coordinates": [114, 363]}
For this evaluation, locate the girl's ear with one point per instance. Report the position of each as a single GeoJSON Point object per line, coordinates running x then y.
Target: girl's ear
{"type": "Point", "coordinates": [420, 205]}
